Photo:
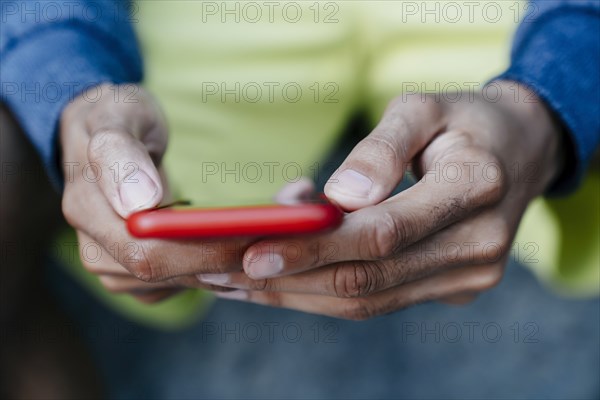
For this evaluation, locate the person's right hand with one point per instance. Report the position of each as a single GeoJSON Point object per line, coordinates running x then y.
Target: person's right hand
{"type": "Point", "coordinates": [112, 140]}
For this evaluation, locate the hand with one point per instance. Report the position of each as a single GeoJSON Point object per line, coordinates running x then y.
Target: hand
{"type": "Point", "coordinates": [111, 152]}
{"type": "Point", "coordinates": [446, 238]}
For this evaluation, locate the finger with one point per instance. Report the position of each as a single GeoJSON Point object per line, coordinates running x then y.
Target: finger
{"type": "Point", "coordinates": [472, 278]}
{"type": "Point", "coordinates": [130, 284]}
{"type": "Point", "coordinates": [376, 165]}
{"type": "Point", "coordinates": [452, 247]}
{"type": "Point", "coordinates": [96, 259]}
{"type": "Point", "coordinates": [295, 192]}
{"type": "Point", "coordinates": [128, 178]}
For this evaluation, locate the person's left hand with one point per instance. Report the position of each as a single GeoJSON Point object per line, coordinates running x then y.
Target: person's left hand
{"type": "Point", "coordinates": [446, 238]}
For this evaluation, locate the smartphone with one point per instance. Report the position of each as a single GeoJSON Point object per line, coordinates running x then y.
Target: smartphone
{"type": "Point", "coordinates": [309, 216]}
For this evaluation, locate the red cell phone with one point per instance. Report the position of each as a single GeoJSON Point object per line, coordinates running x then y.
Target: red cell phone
{"type": "Point", "coordinates": [262, 220]}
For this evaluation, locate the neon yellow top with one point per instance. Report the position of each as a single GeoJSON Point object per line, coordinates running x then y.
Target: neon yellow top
{"type": "Point", "coordinates": [255, 95]}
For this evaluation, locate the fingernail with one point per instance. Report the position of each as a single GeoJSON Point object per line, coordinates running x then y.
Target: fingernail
{"type": "Point", "coordinates": [266, 266]}
{"type": "Point", "coordinates": [213, 279]}
{"type": "Point", "coordinates": [233, 295]}
{"type": "Point", "coordinates": [138, 193]}
{"type": "Point", "coordinates": [352, 183]}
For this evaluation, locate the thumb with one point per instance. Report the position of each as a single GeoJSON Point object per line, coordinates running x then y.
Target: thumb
{"type": "Point", "coordinates": [127, 142]}
{"type": "Point", "coordinates": [128, 177]}
{"type": "Point", "coordinates": [376, 165]}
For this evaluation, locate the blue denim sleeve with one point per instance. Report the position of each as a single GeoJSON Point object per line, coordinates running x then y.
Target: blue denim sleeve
{"type": "Point", "coordinates": [556, 52]}
{"type": "Point", "coordinates": [50, 51]}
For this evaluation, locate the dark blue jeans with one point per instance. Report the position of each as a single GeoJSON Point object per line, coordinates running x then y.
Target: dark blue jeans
{"type": "Point", "coordinates": [516, 341]}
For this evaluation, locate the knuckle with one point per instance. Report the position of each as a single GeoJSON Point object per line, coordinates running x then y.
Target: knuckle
{"type": "Point", "coordinates": [143, 265]}
{"type": "Point", "coordinates": [351, 280]}
{"type": "Point", "coordinates": [262, 284]}
{"type": "Point", "coordinates": [494, 244]}
{"type": "Point", "coordinates": [384, 148]}
{"type": "Point", "coordinates": [357, 279]}
{"type": "Point", "coordinates": [384, 237]}
{"type": "Point", "coordinates": [102, 142]}
{"type": "Point", "coordinates": [401, 269]}
{"type": "Point", "coordinates": [491, 185]}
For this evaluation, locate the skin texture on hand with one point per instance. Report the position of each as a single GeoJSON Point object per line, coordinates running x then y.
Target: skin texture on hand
{"type": "Point", "coordinates": [112, 140]}
{"type": "Point", "coordinates": [479, 164]}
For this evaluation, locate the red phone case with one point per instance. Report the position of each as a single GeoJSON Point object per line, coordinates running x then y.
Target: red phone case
{"type": "Point", "coordinates": [264, 220]}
